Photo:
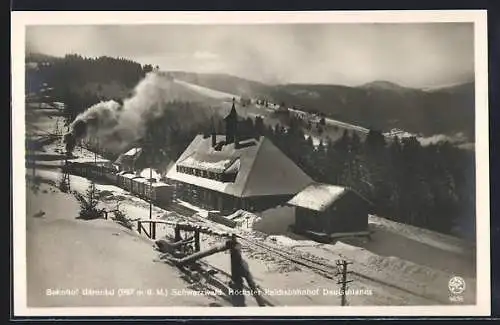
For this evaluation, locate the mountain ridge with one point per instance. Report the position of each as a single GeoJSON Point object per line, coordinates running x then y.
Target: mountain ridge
{"type": "Point", "coordinates": [379, 104]}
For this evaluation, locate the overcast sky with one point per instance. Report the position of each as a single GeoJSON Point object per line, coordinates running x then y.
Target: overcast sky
{"type": "Point", "coordinates": [415, 55]}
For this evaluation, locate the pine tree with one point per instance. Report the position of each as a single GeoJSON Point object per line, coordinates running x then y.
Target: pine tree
{"type": "Point", "coordinates": [89, 203]}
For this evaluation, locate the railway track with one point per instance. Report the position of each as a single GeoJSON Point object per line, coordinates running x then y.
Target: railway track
{"type": "Point", "coordinates": [319, 267]}
{"type": "Point", "coordinates": [330, 271]}
{"type": "Point", "coordinates": [326, 270]}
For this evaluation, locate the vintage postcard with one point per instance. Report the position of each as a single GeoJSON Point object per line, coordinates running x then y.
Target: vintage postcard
{"type": "Point", "coordinates": [250, 163]}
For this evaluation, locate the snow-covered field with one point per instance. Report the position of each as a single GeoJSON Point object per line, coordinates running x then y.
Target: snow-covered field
{"type": "Point", "coordinates": [208, 92]}
{"type": "Point", "coordinates": [255, 110]}
{"type": "Point", "coordinates": [66, 253]}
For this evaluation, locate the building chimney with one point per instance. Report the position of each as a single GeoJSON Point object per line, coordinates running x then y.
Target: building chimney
{"type": "Point", "coordinates": [214, 139]}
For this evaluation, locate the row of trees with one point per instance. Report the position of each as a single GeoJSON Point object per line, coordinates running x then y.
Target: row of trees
{"type": "Point", "coordinates": [80, 82]}
{"type": "Point", "coordinates": [428, 186]}
{"type": "Point", "coordinates": [79, 70]}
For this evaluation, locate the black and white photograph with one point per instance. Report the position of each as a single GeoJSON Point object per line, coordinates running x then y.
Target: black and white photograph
{"type": "Point", "coordinates": [282, 163]}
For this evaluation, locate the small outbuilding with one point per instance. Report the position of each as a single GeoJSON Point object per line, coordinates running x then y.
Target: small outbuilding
{"type": "Point", "coordinates": [325, 211]}
{"type": "Point", "coordinates": [127, 161]}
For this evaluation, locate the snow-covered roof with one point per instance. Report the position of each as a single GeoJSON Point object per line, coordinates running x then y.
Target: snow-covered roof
{"type": "Point", "coordinates": [132, 152]}
{"type": "Point", "coordinates": [198, 181]}
{"type": "Point", "coordinates": [129, 156]}
{"type": "Point", "coordinates": [234, 167]}
{"type": "Point", "coordinates": [159, 184]}
{"type": "Point", "coordinates": [84, 160]}
{"type": "Point", "coordinates": [130, 176]}
{"type": "Point", "coordinates": [209, 162]}
{"type": "Point", "coordinates": [241, 214]}
{"type": "Point", "coordinates": [262, 168]}
{"type": "Point", "coordinates": [141, 180]}
{"type": "Point", "coordinates": [146, 172]}
{"type": "Point", "coordinates": [318, 196]}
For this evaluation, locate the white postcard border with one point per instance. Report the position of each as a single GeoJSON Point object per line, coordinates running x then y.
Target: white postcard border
{"type": "Point", "coordinates": [21, 19]}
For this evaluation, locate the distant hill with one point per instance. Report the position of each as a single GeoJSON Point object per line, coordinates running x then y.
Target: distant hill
{"type": "Point", "coordinates": [39, 57]}
{"type": "Point", "coordinates": [380, 104]}
{"type": "Point", "coordinates": [384, 85]}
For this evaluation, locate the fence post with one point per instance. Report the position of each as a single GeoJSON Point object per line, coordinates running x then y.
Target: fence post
{"type": "Point", "coordinates": [139, 226]}
{"type": "Point", "coordinates": [197, 239]}
{"type": "Point", "coordinates": [236, 274]}
{"type": "Point", "coordinates": [153, 231]}
{"type": "Point", "coordinates": [177, 233]}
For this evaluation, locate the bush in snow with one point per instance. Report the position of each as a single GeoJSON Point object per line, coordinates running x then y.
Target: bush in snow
{"type": "Point", "coordinates": [122, 219]}
{"type": "Point", "coordinates": [88, 204]}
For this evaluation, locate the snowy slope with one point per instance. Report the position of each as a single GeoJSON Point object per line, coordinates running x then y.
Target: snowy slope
{"type": "Point", "coordinates": [65, 253]}
{"type": "Point", "coordinates": [207, 91]}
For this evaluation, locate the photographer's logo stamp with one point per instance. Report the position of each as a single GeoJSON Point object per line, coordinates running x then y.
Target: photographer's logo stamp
{"type": "Point", "coordinates": [456, 285]}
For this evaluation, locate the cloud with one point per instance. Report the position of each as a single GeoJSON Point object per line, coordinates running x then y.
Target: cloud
{"type": "Point", "coordinates": [205, 55]}
{"type": "Point", "coordinates": [458, 138]}
{"type": "Point", "coordinates": [415, 55]}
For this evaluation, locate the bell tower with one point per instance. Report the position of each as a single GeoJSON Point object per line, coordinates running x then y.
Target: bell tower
{"type": "Point", "coordinates": [231, 124]}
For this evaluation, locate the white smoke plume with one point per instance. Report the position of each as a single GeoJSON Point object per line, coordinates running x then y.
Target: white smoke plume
{"type": "Point", "coordinates": [116, 126]}
{"type": "Point", "coordinates": [458, 138]}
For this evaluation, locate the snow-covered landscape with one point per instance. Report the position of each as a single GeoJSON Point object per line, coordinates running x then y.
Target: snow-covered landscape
{"type": "Point", "coordinates": [400, 265]}
{"type": "Point", "coordinates": [197, 166]}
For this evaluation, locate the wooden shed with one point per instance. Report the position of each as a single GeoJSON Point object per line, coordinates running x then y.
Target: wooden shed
{"type": "Point", "coordinates": [326, 211]}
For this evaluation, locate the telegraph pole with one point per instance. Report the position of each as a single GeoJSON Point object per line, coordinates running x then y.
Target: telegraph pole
{"type": "Point", "coordinates": [149, 145]}
{"type": "Point", "coordinates": [342, 266]}
{"type": "Point", "coordinates": [65, 184]}
{"type": "Point", "coordinates": [95, 151]}
{"type": "Point", "coordinates": [33, 159]}
{"type": "Point", "coordinates": [150, 193]}
{"type": "Point", "coordinates": [95, 163]}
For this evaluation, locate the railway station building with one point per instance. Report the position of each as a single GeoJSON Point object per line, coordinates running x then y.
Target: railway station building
{"type": "Point", "coordinates": [226, 172]}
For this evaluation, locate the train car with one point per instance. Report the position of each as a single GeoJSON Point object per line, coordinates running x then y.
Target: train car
{"type": "Point", "coordinates": [127, 181]}
{"type": "Point", "coordinates": [106, 171]}
{"type": "Point", "coordinates": [136, 187]}
{"type": "Point", "coordinates": [142, 185]}
{"type": "Point", "coordinates": [92, 168]}
{"type": "Point", "coordinates": [95, 171]}
{"type": "Point", "coordinates": [120, 179]}
{"type": "Point", "coordinates": [77, 168]}
{"type": "Point", "coordinates": [162, 193]}
{"type": "Point", "coordinates": [111, 176]}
